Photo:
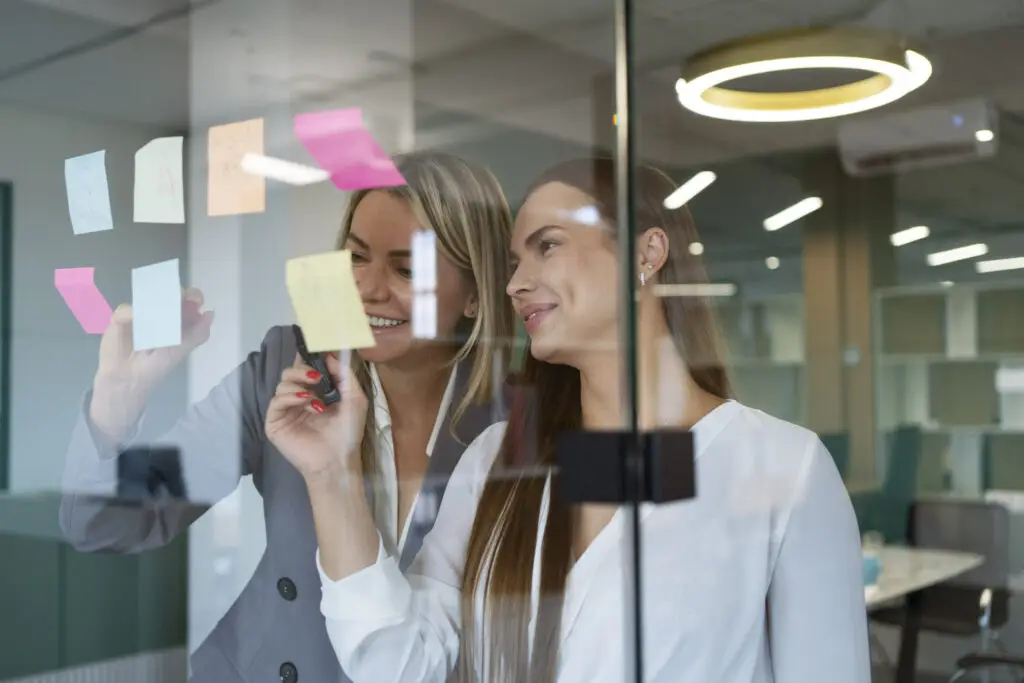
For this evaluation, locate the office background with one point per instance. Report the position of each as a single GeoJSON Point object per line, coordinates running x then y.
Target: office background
{"type": "Point", "coordinates": [829, 325]}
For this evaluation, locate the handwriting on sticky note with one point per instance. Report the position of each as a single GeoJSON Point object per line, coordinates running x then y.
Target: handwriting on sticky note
{"type": "Point", "coordinates": [343, 147]}
{"type": "Point", "coordinates": [88, 193]}
{"type": "Point", "coordinates": [327, 303]}
{"type": "Point", "coordinates": [156, 306]}
{"type": "Point", "coordinates": [230, 190]}
{"type": "Point", "coordinates": [79, 291]}
{"type": "Point", "coordinates": [159, 182]}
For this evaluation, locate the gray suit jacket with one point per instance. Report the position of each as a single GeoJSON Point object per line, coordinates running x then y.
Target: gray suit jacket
{"type": "Point", "coordinates": [274, 631]}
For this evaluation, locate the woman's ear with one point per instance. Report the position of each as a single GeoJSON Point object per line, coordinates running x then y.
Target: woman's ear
{"type": "Point", "coordinates": [652, 250]}
{"type": "Point", "coordinates": [472, 307]}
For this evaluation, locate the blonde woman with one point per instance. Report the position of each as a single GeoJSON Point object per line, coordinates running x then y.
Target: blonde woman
{"type": "Point", "coordinates": [429, 398]}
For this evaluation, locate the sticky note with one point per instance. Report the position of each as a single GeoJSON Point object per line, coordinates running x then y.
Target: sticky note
{"type": "Point", "coordinates": [159, 182]}
{"type": "Point", "coordinates": [424, 261]}
{"type": "Point", "coordinates": [79, 290]}
{"type": "Point", "coordinates": [424, 315]}
{"type": "Point", "coordinates": [327, 303]}
{"type": "Point", "coordinates": [88, 194]}
{"type": "Point", "coordinates": [424, 285]}
{"type": "Point", "coordinates": [230, 189]}
{"type": "Point", "coordinates": [343, 147]}
{"type": "Point", "coordinates": [156, 306]}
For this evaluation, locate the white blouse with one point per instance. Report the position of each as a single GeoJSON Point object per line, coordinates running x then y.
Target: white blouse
{"type": "Point", "coordinates": [772, 522]}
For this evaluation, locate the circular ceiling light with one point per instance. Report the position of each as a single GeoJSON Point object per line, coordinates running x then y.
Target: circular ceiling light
{"type": "Point", "coordinates": [892, 71]}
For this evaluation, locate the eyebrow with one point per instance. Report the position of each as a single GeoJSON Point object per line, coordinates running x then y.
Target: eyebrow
{"type": "Point", "coordinates": [537, 235]}
{"type": "Point", "coordinates": [394, 253]}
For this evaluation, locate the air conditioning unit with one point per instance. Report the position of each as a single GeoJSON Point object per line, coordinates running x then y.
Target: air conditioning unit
{"type": "Point", "coordinates": [921, 138]}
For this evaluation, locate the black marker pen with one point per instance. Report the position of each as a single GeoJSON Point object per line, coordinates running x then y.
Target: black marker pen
{"type": "Point", "coordinates": [325, 388]}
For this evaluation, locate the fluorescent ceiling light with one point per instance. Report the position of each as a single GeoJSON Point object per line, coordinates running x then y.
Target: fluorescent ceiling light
{"type": "Point", "coordinates": [984, 135]}
{"type": "Point", "coordinates": [690, 189]}
{"type": "Point", "coordinates": [793, 213]}
{"type": "Point", "coordinates": [941, 258]}
{"type": "Point", "coordinates": [772, 262]}
{"type": "Point", "coordinates": [283, 171]}
{"type": "Point", "coordinates": [707, 289]}
{"type": "Point", "coordinates": [996, 265]}
{"type": "Point", "coordinates": [909, 235]}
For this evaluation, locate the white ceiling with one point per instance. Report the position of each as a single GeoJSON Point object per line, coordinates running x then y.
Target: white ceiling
{"type": "Point", "coordinates": [539, 66]}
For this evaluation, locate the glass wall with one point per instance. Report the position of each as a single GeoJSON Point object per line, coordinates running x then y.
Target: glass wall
{"type": "Point", "coordinates": [695, 249]}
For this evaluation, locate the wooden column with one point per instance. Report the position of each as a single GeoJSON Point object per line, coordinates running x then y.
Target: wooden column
{"type": "Point", "coordinates": [847, 255]}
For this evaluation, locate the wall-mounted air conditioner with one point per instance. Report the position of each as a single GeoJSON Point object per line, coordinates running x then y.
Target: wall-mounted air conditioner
{"type": "Point", "coordinates": [931, 136]}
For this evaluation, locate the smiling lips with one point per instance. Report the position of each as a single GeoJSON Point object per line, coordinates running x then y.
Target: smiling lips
{"type": "Point", "coordinates": [379, 324]}
{"type": "Point", "coordinates": [534, 315]}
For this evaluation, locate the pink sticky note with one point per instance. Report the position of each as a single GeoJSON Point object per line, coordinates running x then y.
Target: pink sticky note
{"type": "Point", "coordinates": [344, 148]}
{"type": "Point", "coordinates": [85, 301]}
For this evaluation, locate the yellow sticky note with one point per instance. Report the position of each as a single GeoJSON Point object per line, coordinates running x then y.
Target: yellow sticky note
{"type": "Point", "coordinates": [327, 303]}
{"type": "Point", "coordinates": [231, 190]}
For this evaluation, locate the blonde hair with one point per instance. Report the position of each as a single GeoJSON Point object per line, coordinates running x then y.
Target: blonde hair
{"type": "Point", "coordinates": [464, 205]}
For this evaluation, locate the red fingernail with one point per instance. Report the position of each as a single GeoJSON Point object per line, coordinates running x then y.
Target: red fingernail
{"type": "Point", "coordinates": [303, 394]}
{"type": "Point", "coordinates": [333, 355]}
{"type": "Point", "coordinates": [313, 374]}
{"type": "Point", "coordinates": [318, 406]}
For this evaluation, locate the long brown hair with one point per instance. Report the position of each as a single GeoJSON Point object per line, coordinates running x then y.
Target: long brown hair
{"type": "Point", "coordinates": [501, 545]}
{"type": "Point", "coordinates": [465, 207]}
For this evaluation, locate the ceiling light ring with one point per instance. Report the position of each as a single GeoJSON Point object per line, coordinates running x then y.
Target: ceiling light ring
{"type": "Point", "coordinates": [894, 72]}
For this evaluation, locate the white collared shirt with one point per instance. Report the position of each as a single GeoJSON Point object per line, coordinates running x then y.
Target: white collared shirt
{"type": "Point", "coordinates": [385, 502]}
{"type": "Point", "coordinates": [771, 522]}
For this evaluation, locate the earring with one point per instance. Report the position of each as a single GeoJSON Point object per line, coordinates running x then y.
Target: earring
{"type": "Point", "coordinates": [643, 276]}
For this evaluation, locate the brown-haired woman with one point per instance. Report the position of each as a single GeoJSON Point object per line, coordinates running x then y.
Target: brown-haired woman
{"type": "Point", "coordinates": [758, 579]}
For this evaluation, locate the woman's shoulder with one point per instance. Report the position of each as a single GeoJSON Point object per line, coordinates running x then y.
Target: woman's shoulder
{"type": "Point", "coordinates": [475, 464]}
{"type": "Point", "coordinates": [777, 443]}
{"type": "Point", "coordinates": [756, 422]}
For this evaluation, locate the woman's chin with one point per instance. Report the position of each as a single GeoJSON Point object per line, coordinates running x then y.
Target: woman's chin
{"type": "Point", "coordinates": [386, 352]}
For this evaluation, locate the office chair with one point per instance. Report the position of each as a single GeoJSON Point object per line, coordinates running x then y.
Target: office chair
{"type": "Point", "coordinates": [975, 603]}
{"type": "Point", "coordinates": [886, 510]}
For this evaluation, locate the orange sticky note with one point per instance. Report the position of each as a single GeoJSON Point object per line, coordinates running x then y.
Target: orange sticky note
{"type": "Point", "coordinates": [231, 190]}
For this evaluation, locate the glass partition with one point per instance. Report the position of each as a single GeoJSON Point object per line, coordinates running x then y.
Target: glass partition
{"type": "Point", "coordinates": [730, 289]}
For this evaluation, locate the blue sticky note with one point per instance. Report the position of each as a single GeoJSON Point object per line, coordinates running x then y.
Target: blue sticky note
{"type": "Point", "coordinates": [156, 306]}
{"type": "Point", "coordinates": [88, 194]}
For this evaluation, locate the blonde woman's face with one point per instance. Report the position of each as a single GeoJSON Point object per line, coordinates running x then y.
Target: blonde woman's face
{"type": "Point", "coordinates": [380, 240]}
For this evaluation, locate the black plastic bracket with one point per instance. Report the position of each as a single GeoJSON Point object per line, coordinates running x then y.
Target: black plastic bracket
{"type": "Point", "coordinates": [149, 473]}
{"type": "Point", "coordinates": [594, 466]}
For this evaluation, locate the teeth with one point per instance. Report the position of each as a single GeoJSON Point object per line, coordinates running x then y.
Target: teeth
{"type": "Point", "coordinates": [383, 322]}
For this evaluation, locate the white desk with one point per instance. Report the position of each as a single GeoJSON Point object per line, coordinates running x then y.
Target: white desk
{"type": "Point", "coordinates": [905, 570]}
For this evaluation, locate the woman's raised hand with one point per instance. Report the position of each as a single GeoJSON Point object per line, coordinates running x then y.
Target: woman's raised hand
{"type": "Point", "coordinates": [125, 377]}
{"type": "Point", "coordinates": [317, 439]}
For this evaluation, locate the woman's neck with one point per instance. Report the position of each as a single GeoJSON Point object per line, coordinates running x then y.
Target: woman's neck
{"type": "Point", "coordinates": [414, 391]}
{"type": "Point", "coordinates": [666, 393]}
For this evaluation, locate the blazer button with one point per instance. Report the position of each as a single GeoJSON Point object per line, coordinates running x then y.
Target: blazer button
{"type": "Point", "coordinates": [289, 674]}
{"type": "Point", "coordinates": [286, 587]}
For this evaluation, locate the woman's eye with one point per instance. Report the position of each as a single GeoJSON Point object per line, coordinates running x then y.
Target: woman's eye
{"type": "Point", "coordinates": [546, 246]}
{"type": "Point", "coordinates": [359, 258]}
{"type": "Point", "coordinates": [405, 273]}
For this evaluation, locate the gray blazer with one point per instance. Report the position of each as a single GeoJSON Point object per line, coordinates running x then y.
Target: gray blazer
{"type": "Point", "coordinates": [274, 631]}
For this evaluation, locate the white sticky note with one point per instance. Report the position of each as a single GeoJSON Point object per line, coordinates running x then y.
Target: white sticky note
{"type": "Point", "coordinates": [159, 182]}
{"type": "Point", "coordinates": [424, 261]}
{"type": "Point", "coordinates": [424, 315]}
{"type": "Point", "coordinates": [156, 306]}
{"type": "Point", "coordinates": [88, 194]}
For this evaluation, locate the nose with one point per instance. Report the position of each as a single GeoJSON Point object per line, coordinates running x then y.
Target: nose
{"type": "Point", "coordinates": [520, 283]}
{"type": "Point", "coordinates": [372, 282]}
